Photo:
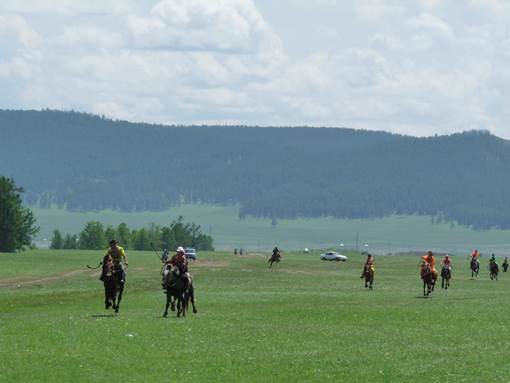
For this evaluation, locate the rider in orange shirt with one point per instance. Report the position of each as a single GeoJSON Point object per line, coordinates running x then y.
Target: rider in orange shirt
{"type": "Point", "coordinates": [431, 261]}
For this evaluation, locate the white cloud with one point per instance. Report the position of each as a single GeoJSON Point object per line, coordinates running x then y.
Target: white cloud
{"type": "Point", "coordinates": [426, 67]}
{"type": "Point", "coordinates": [213, 25]}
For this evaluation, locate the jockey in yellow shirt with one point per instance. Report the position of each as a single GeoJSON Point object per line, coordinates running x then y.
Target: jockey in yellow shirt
{"type": "Point", "coordinates": [369, 263]}
{"type": "Point", "coordinates": [118, 256]}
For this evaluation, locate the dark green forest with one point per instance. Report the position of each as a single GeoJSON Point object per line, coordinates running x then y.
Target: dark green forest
{"type": "Point", "coordinates": [87, 162]}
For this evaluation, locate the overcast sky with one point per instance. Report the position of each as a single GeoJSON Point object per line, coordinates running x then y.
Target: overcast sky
{"type": "Point", "coordinates": [416, 67]}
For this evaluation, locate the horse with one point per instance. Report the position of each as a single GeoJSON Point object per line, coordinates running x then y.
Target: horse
{"type": "Point", "coordinates": [113, 285]}
{"type": "Point", "coordinates": [428, 279]}
{"type": "Point", "coordinates": [446, 274]}
{"type": "Point", "coordinates": [368, 274]}
{"type": "Point", "coordinates": [177, 290]}
{"type": "Point", "coordinates": [505, 266]}
{"type": "Point", "coordinates": [275, 258]}
{"type": "Point", "coordinates": [493, 270]}
{"type": "Point", "coordinates": [475, 267]}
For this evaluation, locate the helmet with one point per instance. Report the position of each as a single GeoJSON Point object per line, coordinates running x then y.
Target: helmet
{"type": "Point", "coordinates": [180, 249]}
{"type": "Point", "coordinates": [112, 242]}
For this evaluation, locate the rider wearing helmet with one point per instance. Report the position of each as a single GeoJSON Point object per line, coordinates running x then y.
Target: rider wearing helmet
{"type": "Point", "coordinates": [492, 259]}
{"type": "Point", "coordinates": [118, 256]}
{"type": "Point", "coordinates": [179, 260]}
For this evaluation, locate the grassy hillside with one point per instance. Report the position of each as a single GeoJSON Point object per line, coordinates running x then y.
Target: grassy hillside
{"type": "Point", "coordinates": [305, 321]}
{"type": "Point", "coordinates": [385, 235]}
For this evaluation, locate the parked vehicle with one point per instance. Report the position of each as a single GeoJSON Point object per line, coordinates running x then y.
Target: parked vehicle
{"type": "Point", "coordinates": [190, 253]}
{"type": "Point", "coordinates": [333, 256]}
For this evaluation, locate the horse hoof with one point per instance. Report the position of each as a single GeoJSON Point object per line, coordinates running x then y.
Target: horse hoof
{"type": "Point", "coordinates": [165, 315]}
{"type": "Point", "coordinates": [195, 310]}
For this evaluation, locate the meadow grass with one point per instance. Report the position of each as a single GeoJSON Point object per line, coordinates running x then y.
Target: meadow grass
{"type": "Point", "coordinates": [305, 320]}
{"type": "Point", "coordinates": [385, 235]}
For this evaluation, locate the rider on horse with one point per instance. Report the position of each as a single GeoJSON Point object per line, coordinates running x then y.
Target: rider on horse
{"type": "Point", "coordinates": [369, 265]}
{"type": "Point", "coordinates": [431, 261]}
{"type": "Point", "coordinates": [179, 261]}
{"type": "Point", "coordinates": [492, 260]}
{"type": "Point", "coordinates": [474, 257]}
{"type": "Point", "coordinates": [446, 262]}
{"type": "Point", "coordinates": [117, 255]}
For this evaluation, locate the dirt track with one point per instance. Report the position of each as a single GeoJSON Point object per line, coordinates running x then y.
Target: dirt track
{"type": "Point", "coordinates": [29, 281]}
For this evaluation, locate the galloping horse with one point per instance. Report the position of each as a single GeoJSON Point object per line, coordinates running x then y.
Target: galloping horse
{"type": "Point", "coordinates": [493, 270]}
{"type": "Point", "coordinates": [368, 274]}
{"type": "Point", "coordinates": [113, 285]}
{"type": "Point", "coordinates": [475, 267]}
{"type": "Point", "coordinates": [505, 265]}
{"type": "Point", "coordinates": [176, 287]}
{"type": "Point", "coordinates": [275, 258]}
{"type": "Point", "coordinates": [446, 274]}
{"type": "Point", "coordinates": [428, 279]}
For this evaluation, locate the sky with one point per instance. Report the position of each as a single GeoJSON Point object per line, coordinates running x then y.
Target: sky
{"type": "Point", "coordinates": [419, 67]}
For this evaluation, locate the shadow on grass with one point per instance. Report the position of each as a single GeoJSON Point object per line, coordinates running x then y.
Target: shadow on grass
{"type": "Point", "coordinates": [423, 297]}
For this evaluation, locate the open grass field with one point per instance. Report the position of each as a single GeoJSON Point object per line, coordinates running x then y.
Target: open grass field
{"type": "Point", "coordinates": [387, 235]}
{"type": "Point", "coordinates": [303, 321]}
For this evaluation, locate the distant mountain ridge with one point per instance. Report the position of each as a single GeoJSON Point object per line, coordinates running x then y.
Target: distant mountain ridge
{"type": "Point", "coordinates": [87, 162]}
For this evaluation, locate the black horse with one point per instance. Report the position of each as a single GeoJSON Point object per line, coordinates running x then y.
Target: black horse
{"type": "Point", "coordinates": [113, 281]}
{"type": "Point", "coordinates": [475, 267]}
{"type": "Point", "coordinates": [446, 274]}
{"type": "Point", "coordinates": [505, 265]}
{"type": "Point", "coordinates": [178, 289]}
{"type": "Point", "coordinates": [368, 274]}
{"type": "Point", "coordinates": [493, 270]}
{"type": "Point", "coordinates": [428, 278]}
{"type": "Point", "coordinates": [275, 258]}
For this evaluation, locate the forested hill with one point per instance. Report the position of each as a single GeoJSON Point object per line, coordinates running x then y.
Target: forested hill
{"type": "Point", "coordinates": [87, 162]}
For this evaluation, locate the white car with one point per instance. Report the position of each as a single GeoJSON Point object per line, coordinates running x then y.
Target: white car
{"type": "Point", "coordinates": [332, 256]}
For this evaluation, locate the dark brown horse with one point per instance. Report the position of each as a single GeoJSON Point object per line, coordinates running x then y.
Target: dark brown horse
{"type": "Point", "coordinates": [275, 258]}
{"type": "Point", "coordinates": [475, 267]}
{"type": "Point", "coordinates": [112, 278]}
{"type": "Point", "coordinates": [493, 270]}
{"type": "Point", "coordinates": [446, 274]}
{"type": "Point", "coordinates": [368, 274]}
{"type": "Point", "coordinates": [178, 288]}
{"type": "Point", "coordinates": [428, 278]}
{"type": "Point", "coordinates": [505, 265]}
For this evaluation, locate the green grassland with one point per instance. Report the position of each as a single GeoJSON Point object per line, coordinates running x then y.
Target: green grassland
{"type": "Point", "coordinates": [303, 321]}
{"type": "Point", "coordinates": [386, 235]}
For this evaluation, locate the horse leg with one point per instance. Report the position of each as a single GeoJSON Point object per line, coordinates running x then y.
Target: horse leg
{"type": "Point", "coordinates": [107, 303]}
{"type": "Point", "coordinates": [192, 298]}
{"type": "Point", "coordinates": [119, 298]}
{"type": "Point", "coordinates": [168, 298]}
{"type": "Point", "coordinates": [172, 303]}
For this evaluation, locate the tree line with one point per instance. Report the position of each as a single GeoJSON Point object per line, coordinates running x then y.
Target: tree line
{"type": "Point", "coordinates": [84, 162]}
{"type": "Point", "coordinates": [95, 236]}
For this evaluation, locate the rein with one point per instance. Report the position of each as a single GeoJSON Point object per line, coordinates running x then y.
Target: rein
{"type": "Point", "coordinates": [95, 268]}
